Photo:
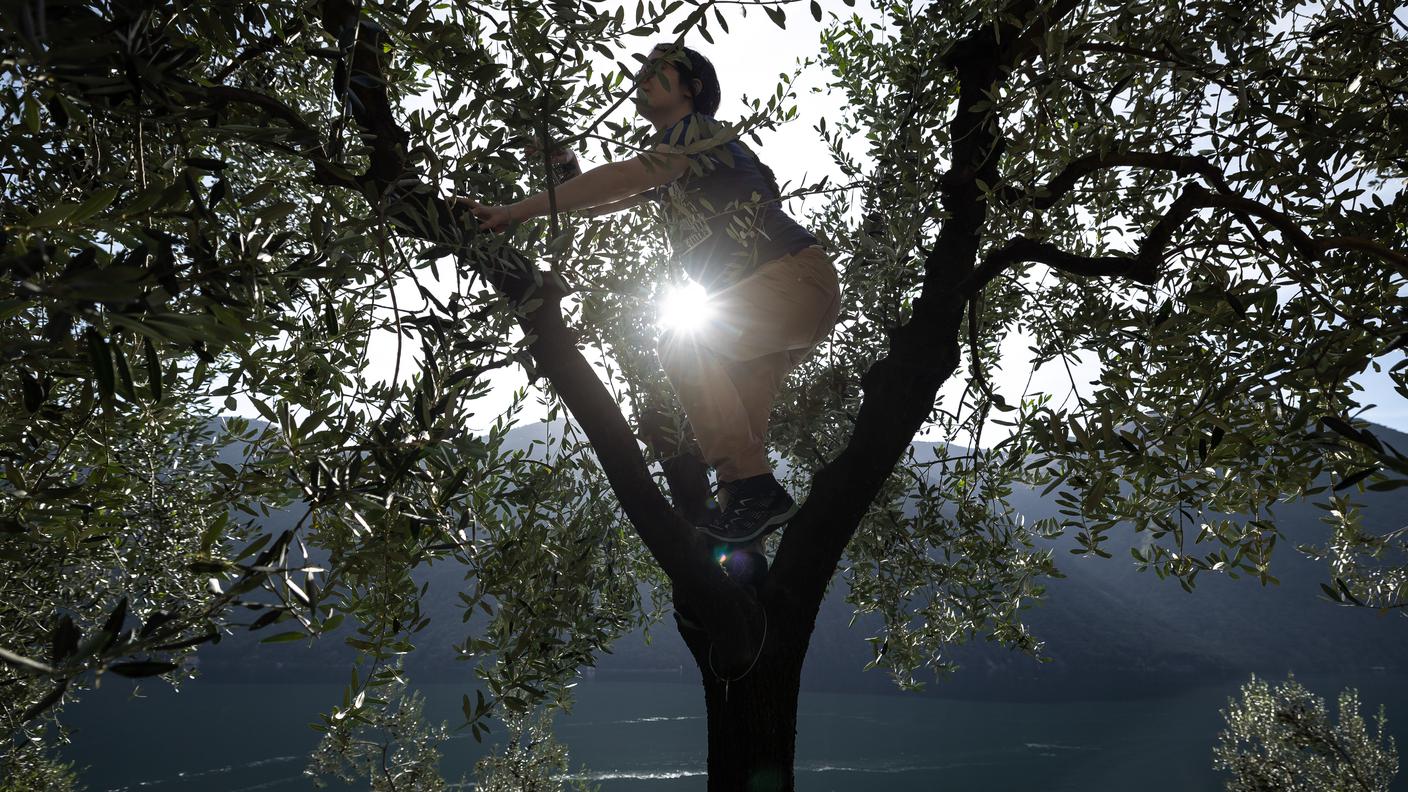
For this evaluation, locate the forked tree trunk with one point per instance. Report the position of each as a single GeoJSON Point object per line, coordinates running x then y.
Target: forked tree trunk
{"type": "Point", "coordinates": [752, 729]}
{"type": "Point", "coordinates": [752, 718]}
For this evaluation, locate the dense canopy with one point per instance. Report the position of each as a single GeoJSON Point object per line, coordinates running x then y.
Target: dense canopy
{"type": "Point", "coordinates": [208, 206]}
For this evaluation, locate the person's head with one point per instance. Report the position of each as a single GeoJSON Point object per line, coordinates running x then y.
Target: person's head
{"type": "Point", "coordinates": [689, 84]}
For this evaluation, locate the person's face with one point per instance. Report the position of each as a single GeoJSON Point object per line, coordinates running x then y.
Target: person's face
{"type": "Point", "coordinates": [654, 99]}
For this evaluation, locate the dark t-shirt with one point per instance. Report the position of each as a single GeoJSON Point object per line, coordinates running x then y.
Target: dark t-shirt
{"type": "Point", "coordinates": [721, 215]}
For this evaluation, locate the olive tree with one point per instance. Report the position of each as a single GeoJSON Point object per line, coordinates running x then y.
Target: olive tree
{"type": "Point", "coordinates": [1202, 202]}
{"type": "Point", "coordinates": [1281, 738]}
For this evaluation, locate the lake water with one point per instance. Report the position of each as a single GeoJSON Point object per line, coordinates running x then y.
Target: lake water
{"type": "Point", "coordinates": [651, 736]}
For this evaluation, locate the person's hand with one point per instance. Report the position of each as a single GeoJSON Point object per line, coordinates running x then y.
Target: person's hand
{"type": "Point", "coordinates": [491, 218]}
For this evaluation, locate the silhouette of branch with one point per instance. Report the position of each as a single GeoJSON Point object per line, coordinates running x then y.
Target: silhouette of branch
{"type": "Point", "coordinates": [922, 353]}
{"type": "Point", "coordinates": [1144, 266]}
{"type": "Point", "coordinates": [1313, 248]}
{"type": "Point", "coordinates": [1022, 249]}
{"type": "Point", "coordinates": [681, 551]}
{"type": "Point", "coordinates": [1046, 196]}
{"type": "Point", "coordinates": [264, 45]}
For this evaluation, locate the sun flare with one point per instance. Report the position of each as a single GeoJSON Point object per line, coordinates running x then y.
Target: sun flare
{"type": "Point", "coordinates": [685, 308]}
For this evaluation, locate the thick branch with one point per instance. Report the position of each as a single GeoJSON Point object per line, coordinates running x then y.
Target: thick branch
{"type": "Point", "coordinates": [1023, 249]}
{"type": "Point", "coordinates": [900, 388]}
{"type": "Point", "coordinates": [1046, 196]}
{"type": "Point", "coordinates": [681, 550]}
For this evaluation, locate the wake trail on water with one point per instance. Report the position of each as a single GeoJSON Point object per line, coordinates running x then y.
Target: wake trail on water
{"type": "Point", "coordinates": [801, 767]}
{"type": "Point", "coordinates": [642, 774]}
{"type": "Point", "coordinates": [184, 776]}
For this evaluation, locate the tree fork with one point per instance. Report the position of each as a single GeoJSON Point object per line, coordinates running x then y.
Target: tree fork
{"type": "Point", "coordinates": [683, 553]}
{"type": "Point", "coordinates": [752, 717]}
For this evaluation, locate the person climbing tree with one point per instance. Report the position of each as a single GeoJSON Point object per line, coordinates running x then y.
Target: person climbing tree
{"type": "Point", "coordinates": [772, 289]}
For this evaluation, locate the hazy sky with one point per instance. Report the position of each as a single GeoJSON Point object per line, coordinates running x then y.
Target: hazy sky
{"type": "Point", "coordinates": [748, 60]}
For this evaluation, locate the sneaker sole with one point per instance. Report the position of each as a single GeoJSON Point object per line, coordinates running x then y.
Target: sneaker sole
{"type": "Point", "coordinates": [766, 528]}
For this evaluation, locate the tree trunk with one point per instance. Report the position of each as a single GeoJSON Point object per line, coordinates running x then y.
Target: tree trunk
{"type": "Point", "coordinates": [752, 718]}
{"type": "Point", "coordinates": [753, 729]}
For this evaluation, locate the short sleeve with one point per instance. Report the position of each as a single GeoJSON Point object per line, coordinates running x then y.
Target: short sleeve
{"type": "Point", "coordinates": [687, 131]}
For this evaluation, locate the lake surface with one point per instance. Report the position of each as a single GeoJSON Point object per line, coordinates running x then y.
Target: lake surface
{"type": "Point", "coordinates": [651, 736]}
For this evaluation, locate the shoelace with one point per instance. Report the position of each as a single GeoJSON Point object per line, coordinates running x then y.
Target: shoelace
{"type": "Point", "coordinates": [742, 512]}
{"type": "Point", "coordinates": [740, 509]}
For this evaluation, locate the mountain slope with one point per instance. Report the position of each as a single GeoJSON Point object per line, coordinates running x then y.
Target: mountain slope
{"type": "Point", "coordinates": [1108, 627]}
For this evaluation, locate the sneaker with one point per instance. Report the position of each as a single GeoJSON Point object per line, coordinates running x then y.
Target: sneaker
{"type": "Point", "coordinates": [755, 507]}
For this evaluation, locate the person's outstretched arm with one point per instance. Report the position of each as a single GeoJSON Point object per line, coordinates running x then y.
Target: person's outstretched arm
{"type": "Point", "coordinates": [614, 206]}
{"type": "Point", "coordinates": [612, 183]}
{"type": "Point", "coordinates": [607, 184]}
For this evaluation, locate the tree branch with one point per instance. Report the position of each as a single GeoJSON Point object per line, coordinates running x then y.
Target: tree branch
{"type": "Point", "coordinates": [1046, 196]}
{"type": "Point", "coordinates": [900, 388]}
{"type": "Point", "coordinates": [1146, 264]}
{"type": "Point", "coordinates": [1022, 249]}
{"type": "Point", "coordinates": [1173, 58]}
{"type": "Point", "coordinates": [1020, 47]}
{"type": "Point", "coordinates": [324, 170]}
{"type": "Point", "coordinates": [265, 44]}
{"type": "Point", "coordinates": [682, 552]}
{"type": "Point", "coordinates": [1313, 248]}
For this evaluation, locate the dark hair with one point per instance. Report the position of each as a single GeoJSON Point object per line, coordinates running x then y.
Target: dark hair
{"type": "Point", "coordinates": [692, 65]}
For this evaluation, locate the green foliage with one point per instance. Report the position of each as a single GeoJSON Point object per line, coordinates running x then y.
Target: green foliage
{"type": "Point", "coordinates": [191, 235]}
{"type": "Point", "coordinates": [531, 760]}
{"type": "Point", "coordinates": [382, 739]}
{"type": "Point", "coordinates": [1280, 739]}
{"type": "Point", "coordinates": [107, 565]}
{"type": "Point", "coordinates": [193, 222]}
{"type": "Point", "coordinates": [27, 769]}
{"type": "Point", "coordinates": [1208, 394]}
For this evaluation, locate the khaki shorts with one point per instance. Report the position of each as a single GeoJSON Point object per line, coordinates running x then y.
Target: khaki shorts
{"type": "Point", "coordinates": [728, 372]}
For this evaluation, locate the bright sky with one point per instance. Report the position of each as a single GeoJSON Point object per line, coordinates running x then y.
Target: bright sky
{"type": "Point", "coordinates": [748, 60]}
